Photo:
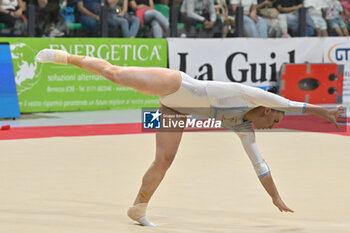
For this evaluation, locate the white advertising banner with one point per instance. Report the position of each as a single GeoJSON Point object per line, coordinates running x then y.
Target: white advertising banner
{"type": "Point", "coordinates": [337, 50]}
{"type": "Point", "coordinates": [255, 62]}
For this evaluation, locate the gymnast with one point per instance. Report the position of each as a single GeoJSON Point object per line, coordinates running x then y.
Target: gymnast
{"type": "Point", "coordinates": [238, 105]}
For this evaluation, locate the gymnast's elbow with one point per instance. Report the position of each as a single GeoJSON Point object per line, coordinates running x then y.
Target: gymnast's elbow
{"type": "Point", "coordinates": [247, 136]}
{"type": "Point", "coordinates": [261, 169]}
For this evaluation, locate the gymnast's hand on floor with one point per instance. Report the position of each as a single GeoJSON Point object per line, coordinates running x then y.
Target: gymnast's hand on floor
{"type": "Point", "coordinates": [280, 205]}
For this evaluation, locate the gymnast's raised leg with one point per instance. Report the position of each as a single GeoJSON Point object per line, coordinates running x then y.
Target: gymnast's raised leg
{"type": "Point", "coordinates": [149, 81]}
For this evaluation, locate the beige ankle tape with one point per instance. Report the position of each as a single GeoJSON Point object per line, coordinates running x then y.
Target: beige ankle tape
{"type": "Point", "coordinates": [76, 60]}
{"type": "Point", "coordinates": [61, 57]}
{"type": "Point", "coordinates": [137, 211]}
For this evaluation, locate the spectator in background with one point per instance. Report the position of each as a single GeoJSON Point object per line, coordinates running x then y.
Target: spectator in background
{"type": "Point", "coordinates": [276, 23]}
{"type": "Point", "coordinates": [49, 21]}
{"type": "Point", "coordinates": [89, 15]}
{"type": "Point", "coordinates": [67, 11]}
{"type": "Point", "coordinates": [254, 25]}
{"type": "Point", "coordinates": [194, 12]}
{"type": "Point", "coordinates": [228, 22]}
{"type": "Point", "coordinates": [11, 14]}
{"type": "Point", "coordinates": [291, 9]}
{"type": "Point", "coordinates": [346, 12]}
{"type": "Point", "coordinates": [164, 2]}
{"type": "Point", "coordinates": [145, 11]}
{"type": "Point", "coordinates": [316, 11]}
{"type": "Point", "coordinates": [118, 16]}
{"type": "Point", "coordinates": [333, 16]}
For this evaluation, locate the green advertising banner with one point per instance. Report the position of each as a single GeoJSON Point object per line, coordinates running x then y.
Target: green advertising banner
{"type": "Point", "coordinates": [51, 87]}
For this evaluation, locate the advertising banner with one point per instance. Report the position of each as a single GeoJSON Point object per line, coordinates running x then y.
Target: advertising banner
{"type": "Point", "coordinates": [51, 87]}
{"type": "Point", "coordinates": [337, 50]}
{"type": "Point", "coordinates": [8, 94]}
{"type": "Point", "coordinates": [255, 62]}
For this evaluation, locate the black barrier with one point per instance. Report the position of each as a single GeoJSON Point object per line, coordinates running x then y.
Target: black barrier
{"type": "Point", "coordinates": [239, 21]}
{"type": "Point", "coordinates": [173, 19]}
{"type": "Point", "coordinates": [302, 22]}
{"type": "Point", "coordinates": [31, 19]}
{"type": "Point", "coordinates": [104, 19]}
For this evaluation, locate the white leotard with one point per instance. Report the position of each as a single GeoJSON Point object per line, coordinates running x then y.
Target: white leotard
{"type": "Point", "coordinates": [228, 102]}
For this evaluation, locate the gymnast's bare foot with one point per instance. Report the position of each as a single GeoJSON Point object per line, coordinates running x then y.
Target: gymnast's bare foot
{"type": "Point", "coordinates": [53, 56]}
{"type": "Point", "coordinates": [138, 214]}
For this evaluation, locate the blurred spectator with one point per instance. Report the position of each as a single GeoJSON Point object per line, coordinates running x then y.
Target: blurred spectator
{"type": "Point", "coordinates": [254, 25]}
{"type": "Point", "coordinates": [49, 21]}
{"type": "Point", "coordinates": [164, 2]}
{"type": "Point", "coordinates": [291, 9]}
{"type": "Point", "coordinates": [145, 11]}
{"type": "Point", "coordinates": [11, 14]}
{"type": "Point", "coordinates": [118, 16]}
{"type": "Point", "coordinates": [315, 9]}
{"type": "Point", "coordinates": [195, 12]}
{"type": "Point", "coordinates": [67, 11]}
{"type": "Point", "coordinates": [276, 23]}
{"type": "Point", "coordinates": [333, 16]}
{"type": "Point", "coordinates": [346, 12]}
{"type": "Point", "coordinates": [228, 22]}
{"type": "Point", "coordinates": [89, 15]}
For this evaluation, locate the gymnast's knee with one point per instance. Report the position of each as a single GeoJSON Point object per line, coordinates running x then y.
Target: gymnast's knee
{"type": "Point", "coordinates": [164, 162]}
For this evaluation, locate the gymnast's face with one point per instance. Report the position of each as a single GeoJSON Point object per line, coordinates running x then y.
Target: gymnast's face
{"type": "Point", "coordinates": [266, 118]}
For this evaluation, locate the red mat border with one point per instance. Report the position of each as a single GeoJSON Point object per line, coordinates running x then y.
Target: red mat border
{"type": "Point", "coordinates": [76, 131]}
{"type": "Point", "coordinates": [70, 131]}
{"type": "Point", "coordinates": [290, 122]}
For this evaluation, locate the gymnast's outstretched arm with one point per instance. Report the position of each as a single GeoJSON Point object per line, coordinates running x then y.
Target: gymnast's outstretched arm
{"type": "Point", "coordinates": [266, 99]}
{"type": "Point", "coordinates": [262, 169]}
